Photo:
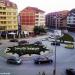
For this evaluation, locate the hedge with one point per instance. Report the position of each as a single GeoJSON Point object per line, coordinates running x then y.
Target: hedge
{"type": "Point", "coordinates": [66, 37]}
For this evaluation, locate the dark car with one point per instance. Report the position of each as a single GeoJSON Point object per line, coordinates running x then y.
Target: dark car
{"type": "Point", "coordinates": [38, 43]}
{"type": "Point", "coordinates": [43, 60]}
{"type": "Point", "coordinates": [70, 71]}
{"type": "Point", "coordinates": [13, 40]}
{"type": "Point", "coordinates": [55, 43]}
{"type": "Point", "coordinates": [14, 60]}
{"type": "Point", "coordinates": [0, 43]}
{"type": "Point", "coordinates": [23, 42]}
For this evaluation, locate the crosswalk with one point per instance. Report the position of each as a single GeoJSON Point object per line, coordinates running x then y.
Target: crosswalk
{"type": "Point", "coordinates": [2, 53]}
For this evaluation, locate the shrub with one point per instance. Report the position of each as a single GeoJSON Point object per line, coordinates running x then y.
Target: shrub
{"type": "Point", "coordinates": [22, 51]}
{"type": "Point", "coordinates": [66, 37]}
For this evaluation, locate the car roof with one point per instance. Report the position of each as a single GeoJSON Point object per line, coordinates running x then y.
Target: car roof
{"type": "Point", "coordinates": [12, 57]}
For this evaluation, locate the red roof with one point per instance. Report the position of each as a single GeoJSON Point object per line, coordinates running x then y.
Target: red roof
{"type": "Point", "coordinates": [34, 8]}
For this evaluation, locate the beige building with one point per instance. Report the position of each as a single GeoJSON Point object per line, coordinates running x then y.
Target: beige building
{"type": "Point", "coordinates": [8, 16]}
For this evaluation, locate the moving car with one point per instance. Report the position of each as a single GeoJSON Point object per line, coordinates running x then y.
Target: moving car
{"type": "Point", "coordinates": [23, 42]}
{"type": "Point", "coordinates": [14, 60]}
{"type": "Point", "coordinates": [55, 43]}
{"type": "Point", "coordinates": [70, 71]}
{"type": "Point", "coordinates": [43, 60]}
{"type": "Point", "coordinates": [13, 40]}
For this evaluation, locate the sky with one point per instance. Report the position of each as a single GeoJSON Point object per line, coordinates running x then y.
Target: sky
{"type": "Point", "coordinates": [46, 5]}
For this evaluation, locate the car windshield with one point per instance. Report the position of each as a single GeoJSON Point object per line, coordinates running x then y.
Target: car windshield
{"type": "Point", "coordinates": [14, 58]}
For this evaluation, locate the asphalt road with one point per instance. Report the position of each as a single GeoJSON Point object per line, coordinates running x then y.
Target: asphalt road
{"type": "Point", "coordinates": [65, 59]}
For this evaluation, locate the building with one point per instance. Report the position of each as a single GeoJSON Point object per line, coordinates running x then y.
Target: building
{"type": "Point", "coordinates": [71, 20]}
{"type": "Point", "coordinates": [8, 17]}
{"type": "Point", "coordinates": [57, 19]}
{"type": "Point", "coordinates": [31, 17]}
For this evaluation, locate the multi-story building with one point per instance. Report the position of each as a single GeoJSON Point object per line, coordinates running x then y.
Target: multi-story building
{"type": "Point", "coordinates": [8, 16]}
{"type": "Point", "coordinates": [71, 20]}
{"type": "Point", "coordinates": [31, 17]}
{"type": "Point", "coordinates": [57, 19]}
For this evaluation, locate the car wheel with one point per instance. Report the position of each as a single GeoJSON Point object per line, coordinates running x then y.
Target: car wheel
{"type": "Point", "coordinates": [51, 61]}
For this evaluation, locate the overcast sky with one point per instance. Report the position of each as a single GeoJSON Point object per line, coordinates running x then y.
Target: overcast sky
{"type": "Point", "coordinates": [46, 5]}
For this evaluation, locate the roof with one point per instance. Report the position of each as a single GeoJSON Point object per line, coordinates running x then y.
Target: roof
{"type": "Point", "coordinates": [34, 8]}
{"type": "Point", "coordinates": [8, 3]}
{"type": "Point", "coordinates": [72, 12]}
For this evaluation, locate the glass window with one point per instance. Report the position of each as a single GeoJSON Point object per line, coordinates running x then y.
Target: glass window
{"type": "Point", "coordinates": [4, 8]}
{"type": "Point", "coordinates": [14, 13]}
{"type": "Point", "coordinates": [4, 13]}
{"type": "Point", "coordinates": [0, 8]}
{"type": "Point", "coordinates": [14, 26]}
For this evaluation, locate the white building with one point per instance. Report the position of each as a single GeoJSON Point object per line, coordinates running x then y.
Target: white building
{"type": "Point", "coordinates": [40, 19]}
{"type": "Point", "coordinates": [71, 20]}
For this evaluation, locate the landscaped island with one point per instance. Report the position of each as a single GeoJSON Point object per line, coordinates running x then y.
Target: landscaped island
{"type": "Point", "coordinates": [27, 49]}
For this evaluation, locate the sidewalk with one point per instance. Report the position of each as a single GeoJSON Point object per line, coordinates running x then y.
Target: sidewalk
{"type": "Point", "coordinates": [39, 36]}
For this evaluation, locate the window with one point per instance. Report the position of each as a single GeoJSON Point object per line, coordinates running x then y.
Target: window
{"type": "Point", "coordinates": [4, 8]}
{"type": "Point", "coordinates": [4, 13]}
{"type": "Point", "coordinates": [9, 27]}
{"type": "Point", "coordinates": [9, 22]}
{"type": "Point", "coordinates": [1, 22]}
{"type": "Point", "coordinates": [14, 17]}
{"type": "Point", "coordinates": [37, 15]}
{"type": "Point", "coordinates": [4, 22]}
{"type": "Point", "coordinates": [74, 18]}
{"type": "Point", "coordinates": [0, 8]}
{"type": "Point", "coordinates": [14, 13]}
{"type": "Point", "coordinates": [14, 21]}
{"type": "Point", "coordinates": [73, 21]}
{"type": "Point", "coordinates": [2, 27]}
{"type": "Point", "coordinates": [37, 19]}
{"type": "Point", "coordinates": [14, 26]}
{"type": "Point", "coordinates": [9, 13]}
{"type": "Point", "coordinates": [0, 13]}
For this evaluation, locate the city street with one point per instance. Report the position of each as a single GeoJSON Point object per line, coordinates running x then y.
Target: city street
{"type": "Point", "coordinates": [65, 59]}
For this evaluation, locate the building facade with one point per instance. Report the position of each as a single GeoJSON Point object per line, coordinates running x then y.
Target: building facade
{"type": "Point", "coordinates": [57, 19]}
{"type": "Point", "coordinates": [31, 17]}
{"type": "Point", "coordinates": [8, 16]}
{"type": "Point", "coordinates": [71, 20]}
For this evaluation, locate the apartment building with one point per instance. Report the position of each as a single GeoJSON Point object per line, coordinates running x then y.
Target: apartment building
{"type": "Point", "coordinates": [8, 17]}
{"type": "Point", "coordinates": [71, 20]}
{"type": "Point", "coordinates": [57, 19]}
{"type": "Point", "coordinates": [31, 17]}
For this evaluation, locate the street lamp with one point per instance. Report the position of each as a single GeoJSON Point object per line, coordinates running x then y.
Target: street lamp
{"type": "Point", "coordinates": [54, 71]}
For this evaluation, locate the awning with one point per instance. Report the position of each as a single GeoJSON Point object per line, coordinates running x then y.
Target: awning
{"type": "Point", "coordinates": [12, 33]}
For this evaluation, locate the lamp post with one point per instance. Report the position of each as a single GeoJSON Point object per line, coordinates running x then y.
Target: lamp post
{"type": "Point", "coordinates": [54, 71]}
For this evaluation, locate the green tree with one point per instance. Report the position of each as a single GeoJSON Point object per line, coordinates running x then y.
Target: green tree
{"type": "Point", "coordinates": [39, 30]}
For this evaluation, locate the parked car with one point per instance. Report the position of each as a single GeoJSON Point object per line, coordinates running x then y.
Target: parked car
{"type": "Point", "coordinates": [43, 60]}
{"type": "Point", "coordinates": [45, 39]}
{"type": "Point", "coordinates": [70, 71]}
{"type": "Point", "coordinates": [69, 46]}
{"type": "Point", "coordinates": [38, 43]}
{"type": "Point", "coordinates": [13, 40]}
{"type": "Point", "coordinates": [23, 42]}
{"type": "Point", "coordinates": [0, 43]}
{"type": "Point", "coordinates": [55, 43]}
{"type": "Point", "coordinates": [14, 60]}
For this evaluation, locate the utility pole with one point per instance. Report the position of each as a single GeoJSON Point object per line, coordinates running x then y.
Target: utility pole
{"type": "Point", "coordinates": [54, 71]}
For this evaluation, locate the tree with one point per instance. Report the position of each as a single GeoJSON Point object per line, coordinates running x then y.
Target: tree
{"type": "Point", "coordinates": [39, 30]}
